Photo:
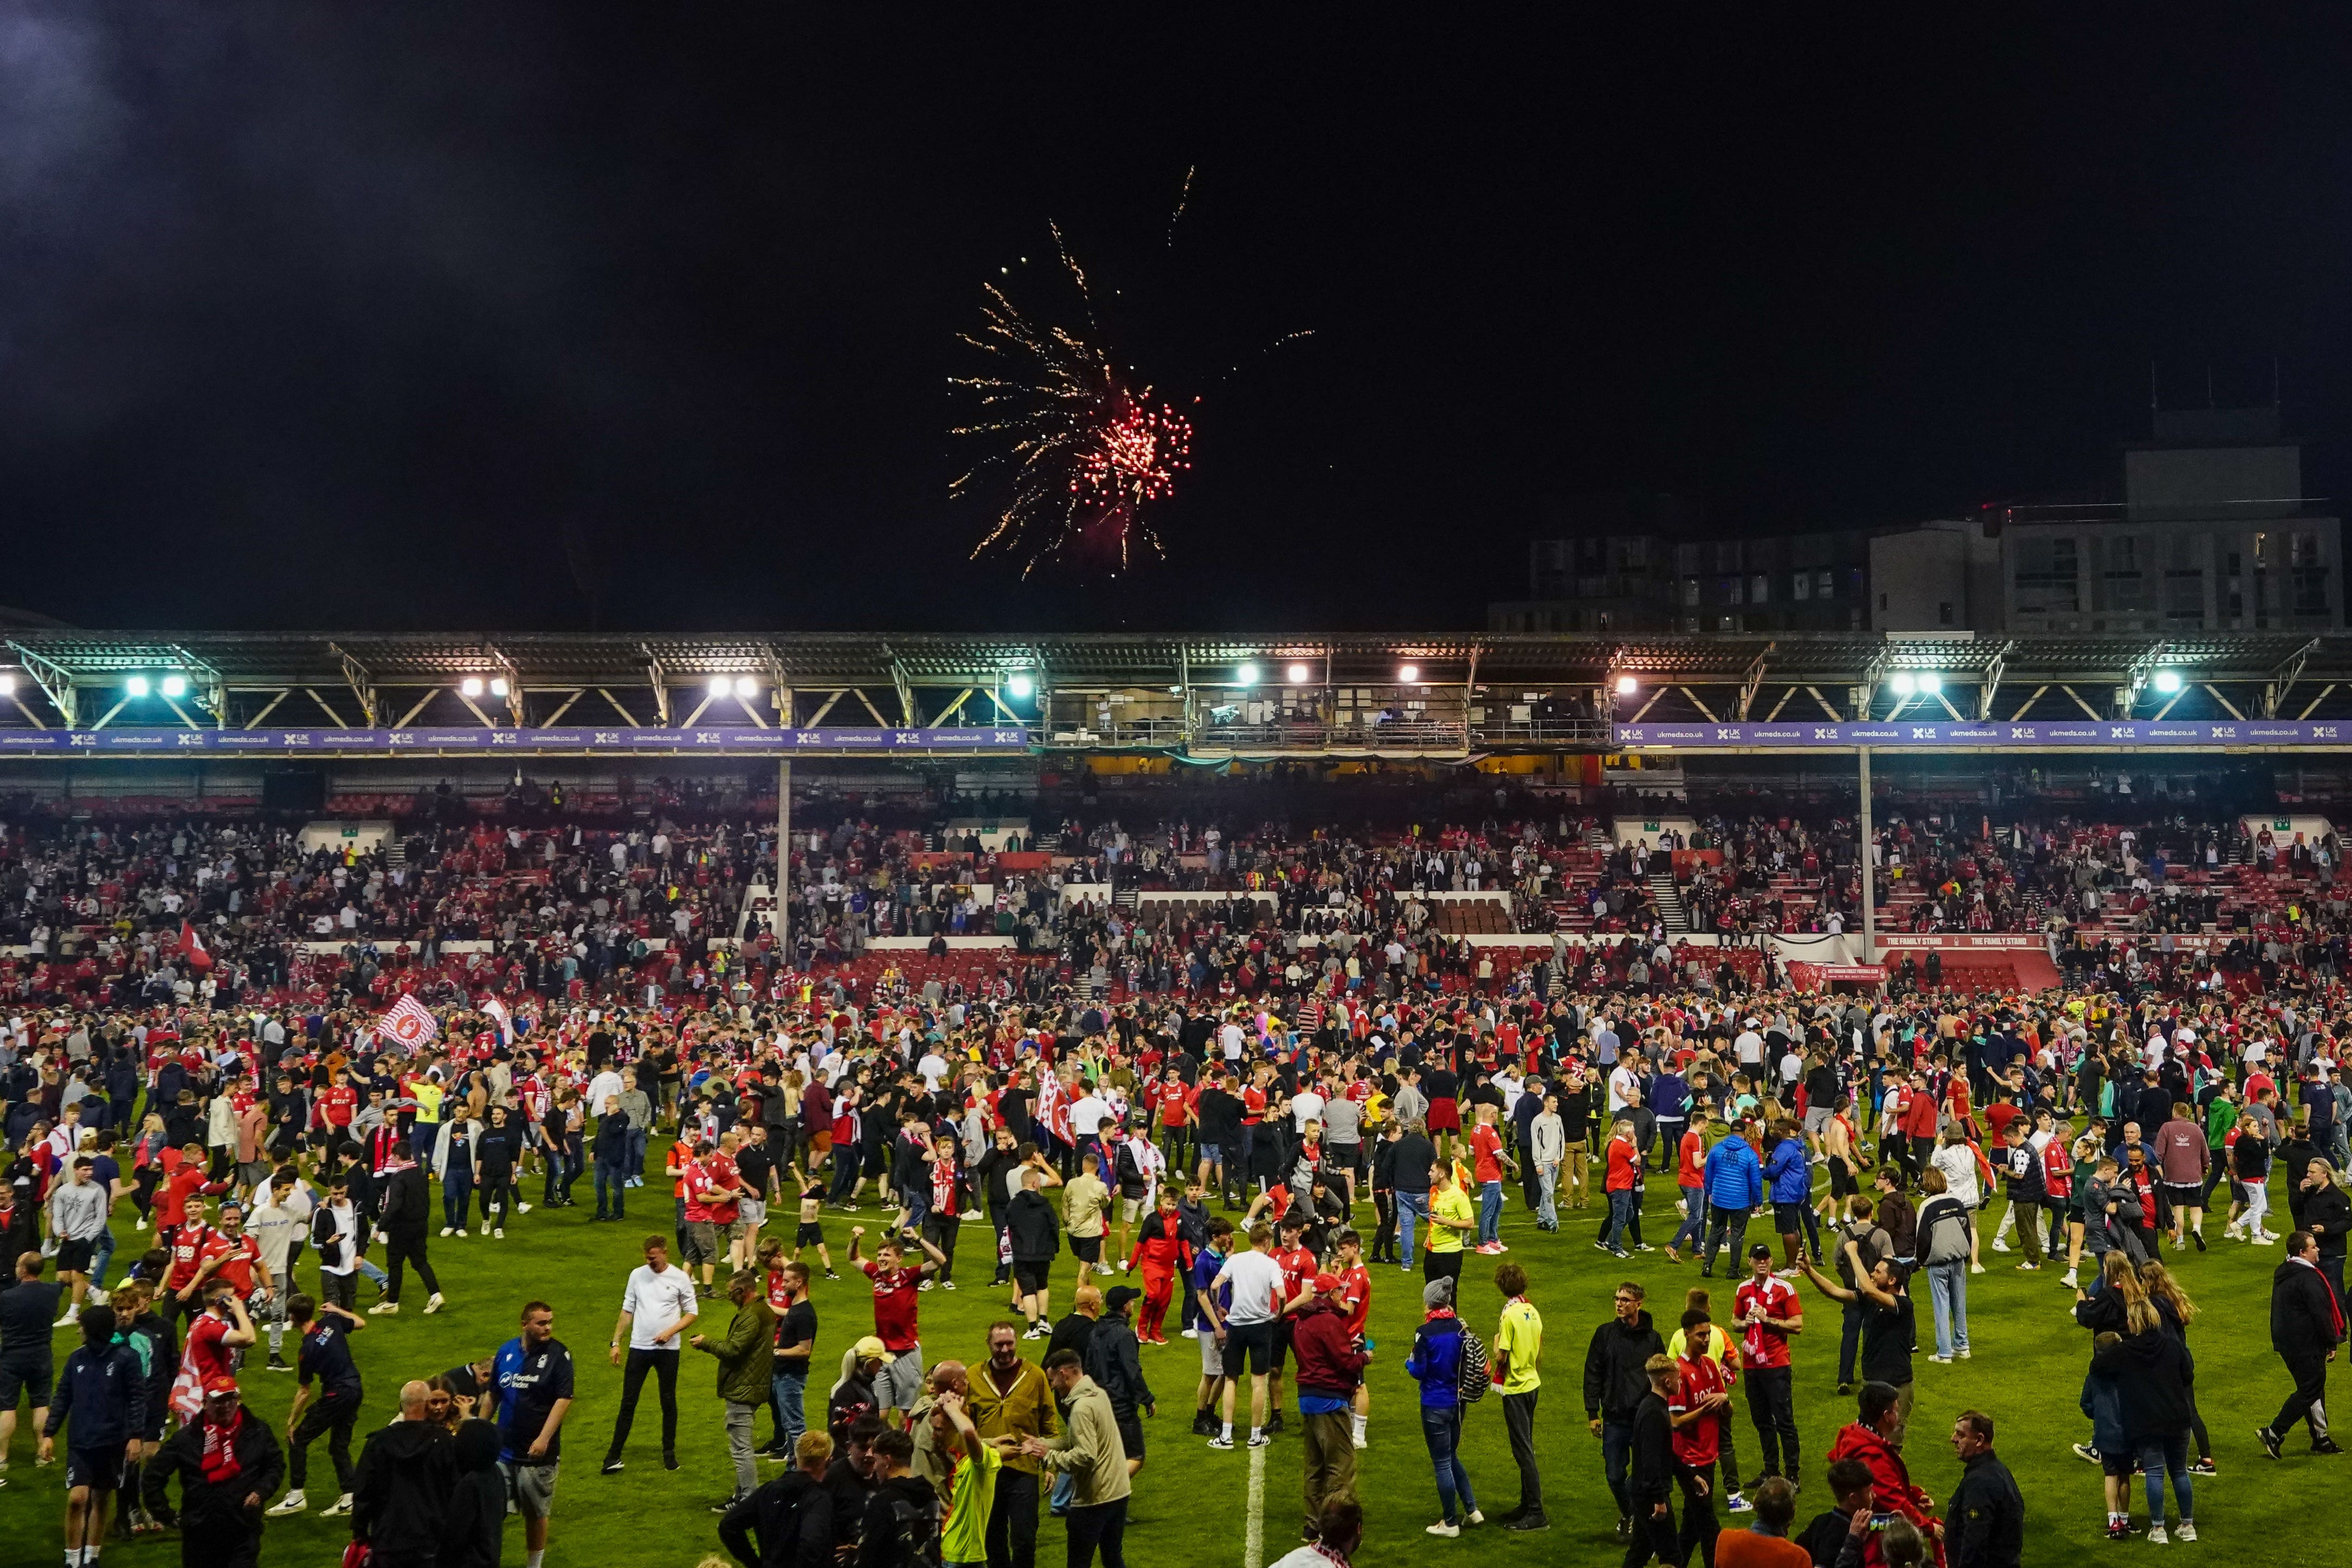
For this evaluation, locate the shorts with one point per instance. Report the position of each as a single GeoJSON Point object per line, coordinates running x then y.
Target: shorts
{"type": "Point", "coordinates": [1840, 1177]}
{"type": "Point", "coordinates": [1253, 1341]}
{"type": "Point", "coordinates": [1788, 1219]}
{"type": "Point", "coordinates": [820, 1142]}
{"type": "Point", "coordinates": [531, 1488]}
{"type": "Point", "coordinates": [734, 1229]}
{"type": "Point", "coordinates": [1212, 1355]}
{"type": "Point", "coordinates": [1130, 1209]}
{"type": "Point", "coordinates": [98, 1468]}
{"type": "Point", "coordinates": [1282, 1329]}
{"type": "Point", "coordinates": [1088, 1249]}
{"type": "Point", "coordinates": [753, 1215]}
{"type": "Point", "coordinates": [1344, 1156]}
{"type": "Point", "coordinates": [1445, 1116]}
{"type": "Point", "coordinates": [701, 1242]}
{"type": "Point", "coordinates": [73, 1257]}
{"type": "Point", "coordinates": [2120, 1464]}
{"type": "Point", "coordinates": [809, 1234]}
{"type": "Point", "coordinates": [1029, 1277]}
{"type": "Point", "coordinates": [1817, 1117]}
{"type": "Point", "coordinates": [897, 1386]}
{"type": "Point", "coordinates": [1213, 1154]}
{"type": "Point", "coordinates": [1130, 1434]}
{"type": "Point", "coordinates": [2185, 1195]}
{"type": "Point", "coordinates": [20, 1375]}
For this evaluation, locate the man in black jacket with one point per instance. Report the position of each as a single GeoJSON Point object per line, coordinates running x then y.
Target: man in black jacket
{"type": "Point", "coordinates": [1616, 1381]}
{"type": "Point", "coordinates": [1650, 1442]}
{"type": "Point", "coordinates": [400, 1491]}
{"type": "Point", "coordinates": [405, 1207]}
{"type": "Point", "coordinates": [2306, 1325]}
{"type": "Point", "coordinates": [226, 1461]}
{"type": "Point", "coordinates": [1034, 1232]}
{"type": "Point", "coordinates": [1984, 1526]}
{"type": "Point", "coordinates": [791, 1516]}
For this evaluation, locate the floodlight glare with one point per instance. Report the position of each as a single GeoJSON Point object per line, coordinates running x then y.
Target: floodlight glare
{"type": "Point", "coordinates": [1930, 684]}
{"type": "Point", "coordinates": [136, 686]}
{"type": "Point", "coordinates": [175, 686]}
{"type": "Point", "coordinates": [745, 687]}
{"type": "Point", "coordinates": [7, 684]}
{"type": "Point", "coordinates": [1022, 687]}
{"type": "Point", "coordinates": [721, 685]}
{"type": "Point", "coordinates": [1409, 673]}
{"type": "Point", "coordinates": [1627, 686]}
{"type": "Point", "coordinates": [1903, 683]}
{"type": "Point", "coordinates": [2167, 681]}
{"type": "Point", "coordinates": [499, 688]}
{"type": "Point", "coordinates": [1246, 675]}
{"type": "Point", "coordinates": [1298, 674]}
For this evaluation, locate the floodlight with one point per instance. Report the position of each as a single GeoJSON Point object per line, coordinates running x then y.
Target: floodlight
{"type": "Point", "coordinates": [471, 686]}
{"type": "Point", "coordinates": [175, 686]}
{"type": "Point", "coordinates": [2167, 681]}
{"type": "Point", "coordinates": [1020, 687]}
{"type": "Point", "coordinates": [1298, 674]}
{"type": "Point", "coordinates": [1246, 675]}
{"type": "Point", "coordinates": [1409, 673]}
{"type": "Point", "coordinates": [1903, 683]}
{"type": "Point", "coordinates": [1930, 683]}
{"type": "Point", "coordinates": [499, 688]}
{"type": "Point", "coordinates": [1627, 686]}
{"type": "Point", "coordinates": [722, 686]}
{"type": "Point", "coordinates": [136, 686]}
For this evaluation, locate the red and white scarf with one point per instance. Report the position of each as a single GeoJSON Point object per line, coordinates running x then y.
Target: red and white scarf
{"type": "Point", "coordinates": [220, 1460]}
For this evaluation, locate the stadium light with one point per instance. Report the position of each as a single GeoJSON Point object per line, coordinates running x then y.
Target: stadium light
{"type": "Point", "coordinates": [136, 686]}
{"type": "Point", "coordinates": [2167, 681]}
{"type": "Point", "coordinates": [471, 686]}
{"type": "Point", "coordinates": [1930, 683]}
{"type": "Point", "coordinates": [1627, 686]}
{"type": "Point", "coordinates": [1246, 675]}
{"type": "Point", "coordinates": [7, 684]}
{"type": "Point", "coordinates": [745, 687]}
{"type": "Point", "coordinates": [722, 686]}
{"type": "Point", "coordinates": [1410, 674]}
{"type": "Point", "coordinates": [1021, 688]}
{"type": "Point", "coordinates": [499, 686]}
{"type": "Point", "coordinates": [1298, 674]}
{"type": "Point", "coordinates": [175, 686]}
{"type": "Point", "coordinates": [1902, 683]}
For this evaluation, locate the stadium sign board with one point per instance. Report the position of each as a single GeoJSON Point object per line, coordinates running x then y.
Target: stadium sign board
{"type": "Point", "coordinates": [729, 741]}
{"type": "Point", "coordinates": [2039, 735]}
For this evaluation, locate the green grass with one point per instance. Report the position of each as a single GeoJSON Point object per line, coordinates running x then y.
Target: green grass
{"type": "Point", "coordinates": [1191, 1503]}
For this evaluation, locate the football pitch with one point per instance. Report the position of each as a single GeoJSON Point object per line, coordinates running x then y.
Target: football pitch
{"type": "Point", "coordinates": [1193, 1506]}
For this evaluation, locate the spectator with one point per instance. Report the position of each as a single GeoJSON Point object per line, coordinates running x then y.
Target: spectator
{"type": "Point", "coordinates": [1517, 1371]}
{"type": "Point", "coordinates": [1649, 1529]}
{"type": "Point", "coordinates": [101, 1400]}
{"type": "Point", "coordinates": [658, 1305]}
{"type": "Point", "coordinates": [1984, 1525]}
{"type": "Point", "coordinates": [226, 1461]}
{"type": "Point", "coordinates": [1089, 1450]}
{"type": "Point", "coordinates": [324, 1357]}
{"type": "Point", "coordinates": [791, 1517]}
{"type": "Point", "coordinates": [1330, 1369]}
{"type": "Point", "coordinates": [1436, 1364]}
{"type": "Point", "coordinates": [2307, 1324]}
{"type": "Point", "coordinates": [1011, 1399]}
{"type": "Point", "coordinates": [746, 1375]}
{"type": "Point", "coordinates": [401, 1494]}
{"type": "Point", "coordinates": [1616, 1381]}
{"type": "Point", "coordinates": [1765, 1543]}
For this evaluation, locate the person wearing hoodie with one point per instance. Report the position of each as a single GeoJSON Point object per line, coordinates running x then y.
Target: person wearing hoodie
{"type": "Point", "coordinates": [2153, 1372]}
{"type": "Point", "coordinates": [1735, 1185]}
{"type": "Point", "coordinates": [401, 1488]}
{"type": "Point", "coordinates": [1616, 1381]}
{"type": "Point", "coordinates": [791, 1517]}
{"type": "Point", "coordinates": [102, 1394]}
{"type": "Point", "coordinates": [226, 1461]}
{"type": "Point", "coordinates": [1789, 1177]}
{"type": "Point", "coordinates": [1648, 1524]}
{"type": "Point", "coordinates": [2306, 1325]}
{"type": "Point", "coordinates": [1436, 1364]}
{"type": "Point", "coordinates": [1870, 1440]}
{"type": "Point", "coordinates": [1330, 1368]}
{"type": "Point", "coordinates": [1112, 1359]}
{"type": "Point", "coordinates": [474, 1527]}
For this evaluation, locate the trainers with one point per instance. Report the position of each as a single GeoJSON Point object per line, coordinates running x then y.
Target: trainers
{"type": "Point", "coordinates": [432, 1303]}
{"type": "Point", "coordinates": [2188, 1530]}
{"type": "Point", "coordinates": [2155, 1536]}
{"type": "Point", "coordinates": [1261, 1439]}
{"type": "Point", "coordinates": [1999, 1246]}
{"type": "Point", "coordinates": [522, 1209]}
{"type": "Point", "coordinates": [2118, 1530]}
{"type": "Point", "coordinates": [1220, 1442]}
{"type": "Point", "coordinates": [1964, 1353]}
{"type": "Point", "coordinates": [1441, 1528]}
{"type": "Point", "coordinates": [2324, 1445]}
{"type": "Point", "coordinates": [1476, 1516]}
{"type": "Point", "coordinates": [277, 1363]}
{"type": "Point", "coordinates": [1529, 1522]}
{"type": "Point", "coordinates": [383, 1307]}
{"type": "Point", "coordinates": [2205, 1467]}
{"type": "Point", "coordinates": [1941, 1360]}
{"type": "Point", "coordinates": [2087, 1453]}
{"type": "Point", "coordinates": [2270, 1440]}
{"type": "Point", "coordinates": [446, 1230]}
{"type": "Point", "coordinates": [460, 1233]}
{"type": "Point", "coordinates": [1735, 1503]}
{"type": "Point", "coordinates": [340, 1505]}
{"type": "Point", "coordinates": [499, 1234]}
{"type": "Point", "coordinates": [612, 1467]}
{"type": "Point", "coordinates": [292, 1502]}
{"type": "Point", "coordinates": [947, 1285]}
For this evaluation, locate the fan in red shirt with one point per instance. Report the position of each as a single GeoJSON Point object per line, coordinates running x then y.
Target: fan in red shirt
{"type": "Point", "coordinates": [1163, 1255]}
{"type": "Point", "coordinates": [1699, 1395]}
{"type": "Point", "coordinates": [233, 1256]}
{"type": "Point", "coordinates": [895, 1318]}
{"type": "Point", "coordinates": [337, 1102]}
{"type": "Point", "coordinates": [1299, 1271]}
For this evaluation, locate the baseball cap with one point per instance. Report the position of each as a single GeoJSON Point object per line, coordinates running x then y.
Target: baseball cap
{"type": "Point", "coordinates": [870, 1348]}
{"type": "Point", "coordinates": [1759, 1251]}
{"type": "Point", "coordinates": [1327, 1283]}
{"type": "Point", "coordinates": [217, 1384]}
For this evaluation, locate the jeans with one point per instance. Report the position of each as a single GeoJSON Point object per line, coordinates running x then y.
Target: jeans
{"type": "Point", "coordinates": [612, 1177]}
{"type": "Point", "coordinates": [1694, 1225]}
{"type": "Point", "coordinates": [1722, 1223]}
{"type": "Point", "coordinates": [1440, 1429]}
{"type": "Point", "coordinates": [1616, 1461]}
{"type": "Point", "coordinates": [1548, 1180]}
{"type": "Point", "coordinates": [1620, 1219]}
{"type": "Point", "coordinates": [457, 1196]}
{"type": "Point", "coordinates": [1410, 1205]}
{"type": "Point", "coordinates": [1490, 1212]}
{"type": "Point", "coordinates": [788, 1398]}
{"type": "Point", "coordinates": [1103, 1525]}
{"type": "Point", "coordinates": [101, 1253]}
{"type": "Point", "coordinates": [664, 1365]}
{"type": "Point", "coordinates": [1949, 1284]}
{"type": "Point", "coordinates": [1013, 1521]}
{"type": "Point", "coordinates": [636, 1157]}
{"type": "Point", "coordinates": [739, 1417]}
{"type": "Point", "coordinates": [2162, 1456]}
{"type": "Point", "coordinates": [1519, 1422]}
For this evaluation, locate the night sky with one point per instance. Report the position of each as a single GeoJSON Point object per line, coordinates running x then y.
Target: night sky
{"type": "Point", "coordinates": [412, 315]}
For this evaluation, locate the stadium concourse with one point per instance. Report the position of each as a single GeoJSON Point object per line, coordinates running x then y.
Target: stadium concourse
{"type": "Point", "coordinates": [1048, 1106]}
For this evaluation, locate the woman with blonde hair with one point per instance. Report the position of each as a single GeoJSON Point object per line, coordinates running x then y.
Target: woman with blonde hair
{"type": "Point", "coordinates": [2178, 1312]}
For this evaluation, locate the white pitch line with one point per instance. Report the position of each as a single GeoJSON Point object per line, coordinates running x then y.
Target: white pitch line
{"type": "Point", "coordinates": [1254, 1544]}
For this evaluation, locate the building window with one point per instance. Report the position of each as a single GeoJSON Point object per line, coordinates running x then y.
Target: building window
{"type": "Point", "coordinates": [1760, 589]}
{"type": "Point", "coordinates": [1825, 585]}
{"type": "Point", "coordinates": [2046, 577]}
{"type": "Point", "coordinates": [1802, 586]}
{"type": "Point", "coordinates": [1727, 590]}
{"type": "Point", "coordinates": [1690, 593]}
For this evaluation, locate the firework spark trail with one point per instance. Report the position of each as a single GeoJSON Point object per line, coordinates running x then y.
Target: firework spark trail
{"type": "Point", "coordinates": [1183, 196]}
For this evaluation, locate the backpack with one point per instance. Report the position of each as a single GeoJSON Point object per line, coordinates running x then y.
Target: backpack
{"type": "Point", "coordinates": [1473, 1378]}
{"type": "Point", "coordinates": [917, 1527]}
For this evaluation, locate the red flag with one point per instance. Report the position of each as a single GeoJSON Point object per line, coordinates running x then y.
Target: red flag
{"type": "Point", "coordinates": [192, 947]}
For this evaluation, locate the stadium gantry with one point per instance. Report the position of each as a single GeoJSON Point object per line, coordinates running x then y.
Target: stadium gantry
{"type": "Point", "coordinates": [1450, 696]}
